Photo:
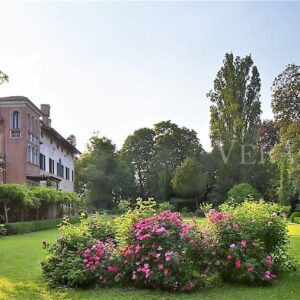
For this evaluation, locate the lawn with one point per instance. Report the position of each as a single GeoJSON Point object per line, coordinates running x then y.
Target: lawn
{"type": "Point", "coordinates": [21, 277]}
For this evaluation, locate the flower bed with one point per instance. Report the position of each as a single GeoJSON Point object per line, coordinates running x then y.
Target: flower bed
{"type": "Point", "coordinates": [164, 252]}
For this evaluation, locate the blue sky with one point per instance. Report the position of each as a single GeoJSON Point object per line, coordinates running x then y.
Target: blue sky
{"type": "Point", "coordinates": [115, 67]}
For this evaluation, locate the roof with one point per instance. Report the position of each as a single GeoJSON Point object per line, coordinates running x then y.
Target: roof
{"type": "Point", "coordinates": [43, 178]}
{"type": "Point", "coordinates": [20, 100]}
{"type": "Point", "coordinates": [51, 131]}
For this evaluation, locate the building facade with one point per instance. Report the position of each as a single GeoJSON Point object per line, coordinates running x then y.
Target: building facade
{"type": "Point", "coordinates": [32, 152]}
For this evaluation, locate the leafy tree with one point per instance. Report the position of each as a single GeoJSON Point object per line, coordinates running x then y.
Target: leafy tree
{"type": "Point", "coordinates": [138, 152]}
{"type": "Point", "coordinates": [235, 110]}
{"type": "Point", "coordinates": [173, 144]}
{"type": "Point", "coordinates": [102, 174]}
{"type": "Point", "coordinates": [234, 124]}
{"type": "Point", "coordinates": [269, 135]}
{"type": "Point", "coordinates": [285, 189]}
{"type": "Point", "coordinates": [190, 181]}
{"type": "Point", "coordinates": [240, 192]}
{"type": "Point", "coordinates": [286, 109]}
{"type": "Point", "coordinates": [72, 140]}
{"type": "Point", "coordinates": [3, 77]}
{"type": "Point", "coordinates": [286, 96]}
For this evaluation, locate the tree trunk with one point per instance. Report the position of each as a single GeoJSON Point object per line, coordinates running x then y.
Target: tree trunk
{"type": "Point", "coordinates": [22, 214]}
{"type": "Point", "coordinates": [6, 212]}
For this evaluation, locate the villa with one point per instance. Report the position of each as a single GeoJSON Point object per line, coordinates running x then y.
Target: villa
{"type": "Point", "coordinates": [32, 152]}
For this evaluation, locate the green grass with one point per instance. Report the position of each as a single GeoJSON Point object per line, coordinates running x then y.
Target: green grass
{"type": "Point", "coordinates": [21, 277]}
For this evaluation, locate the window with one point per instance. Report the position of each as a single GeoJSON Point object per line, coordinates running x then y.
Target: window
{"type": "Point", "coordinates": [51, 166]}
{"type": "Point", "coordinates": [72, 176]}
{"type": "Point", "coordinates": [42, 161]}
{"type": "Point", "coordinates": [34, 156]}
{"type": "Point", "coordinates": [15, 134]}
{"type": "Point", "coordinates": [67, 173]}
{"type": "Point", "coordinates": [29, 153]}
{"type": "Point", "coordinates": [16, 120]}
{"type": "Point", "coordinates": [15, 125]}
{"type": "Point", "coordinates": [60, 169]}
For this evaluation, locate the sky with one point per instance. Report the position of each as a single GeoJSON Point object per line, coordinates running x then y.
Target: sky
{"type": "Point", "coordinates": [114, 67]}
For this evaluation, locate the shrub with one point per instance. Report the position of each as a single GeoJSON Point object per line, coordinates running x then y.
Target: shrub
{"type": "Point", "coordinates": [64, 264]}
{"type": "Point", "coordinates": [297, 220]}
{"type": "Point", "coordinates": [31, 226]}
{"type": "Point", "coordinates": [264, 222]}
{"type": "Point", "coordinates": [293, 215]}
{"type": "Point", "coordinates": [242, 257]}
{"type": "Point", "coordinates": [123, 206]}
{"type": "Point", "coordinates": [204, 208]}
{"type": "Point", "coordinates": [184, 210]}
{"type": "Point", "coordinates": [164, 252]}
{"type": "Point", "coordinates": [240, 192]}
{"type": "Point", "coordinates": [165, 206]}
{"type": "Point", "coordinates": [103, 262]}
{"type": "Point", "coordinates": [3, 230]}
{"type": "Point", "coordinates": [143, 209]}
{"type": "Point", "coordinates": [101, 227]}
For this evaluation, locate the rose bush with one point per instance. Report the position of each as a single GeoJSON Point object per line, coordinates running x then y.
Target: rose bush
{"type": "Point", "coordinates": [242, 257]}
{"type": "Point", "coordinates": [245, 244]}
{"type": "Point", "coordinates": [164, 252]}
{"type": "Point", "coordinates": [64, 265]}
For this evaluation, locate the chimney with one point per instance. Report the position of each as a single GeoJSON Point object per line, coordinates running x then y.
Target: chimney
{"type": "Point", "coordinates": [45, 109]}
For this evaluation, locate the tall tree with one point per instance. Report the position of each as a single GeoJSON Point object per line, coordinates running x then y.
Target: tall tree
{"type": "Point", "coordinates": [234, 123]}
{"type": "Point", "coordinates": [72, 140]}
{"type": "Point", "coordinates": [235, 110]}
{"type": "Point", "coordinates": [286, 109]}
{"type": "Point", "coordinates": [138, 152]}
{"type": "Point", "coordinates": [286, 96]}
{"type": "Point", "coordinates": [101, 172]}
{"type": "Point", "coordinates": [173, 144]}
{"type": "Point", "coordinates": [189, 181]}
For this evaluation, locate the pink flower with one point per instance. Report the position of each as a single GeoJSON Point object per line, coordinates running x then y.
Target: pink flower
{"type": "Point", "coordinates": [232, 246]}
{"type": "Point", "coordinates": [268, 275]}
{"type": "Point", "coordinates": [217, 263]}
{"type": "Point", "coordinates": [166, 272]}
{"type": "Point", "coordinates": [237, 264]}
{"type": "Point", "coordinates": [112, 269]}
{"type": "Point", "coordinates": [134, 276]}
{"type": "Point", "coordinates": [147, 273]}
{"type": "Point", "coordinates": [250, 269]}
{"type": "Point", "coordinates": [160, 266]}
{"type": "Point", "coordinates": [138, 248]}
{"type": "Point", "coordinates": [269, 260]}
{"type": "Point", "coordinates": [243, 243]}
{"type": "Point", "coordinates": [206, 271]}
{"type": "Point", "coordinates": [229, 257]}
{"type": "Point", "coordinates": [189, 287]}
{"type": "Point", "coordinates": [168, 256]}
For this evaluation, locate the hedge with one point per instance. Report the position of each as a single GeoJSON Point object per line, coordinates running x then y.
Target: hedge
{"type": "Point", "coordinates": [297, 220]}
{"type": "Point", "coordinates": [293, 215]}
{"type": "Point", "coordinates": [19, 203]}
{"type": "Point", "coordinates": [31, 226]}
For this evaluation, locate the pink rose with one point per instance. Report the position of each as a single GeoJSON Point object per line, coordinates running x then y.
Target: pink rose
{"type": "Point", "coordinates": [243, 243]}
{"type": "Point", "coordinates": [166, 272]}
{"type": "Point", "coordinates": [237, 264]}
